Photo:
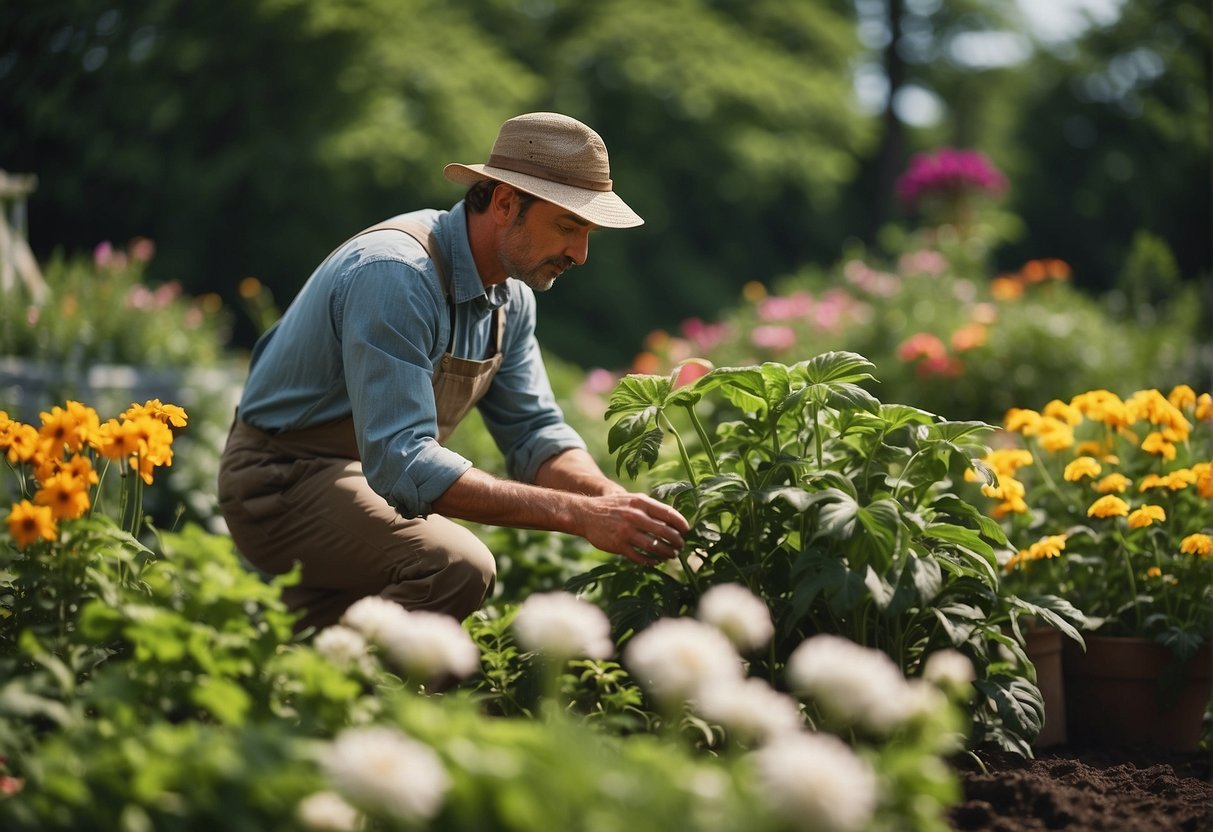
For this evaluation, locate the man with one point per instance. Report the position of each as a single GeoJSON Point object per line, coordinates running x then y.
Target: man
{"type": "Point", "coordinates": [335, 459]}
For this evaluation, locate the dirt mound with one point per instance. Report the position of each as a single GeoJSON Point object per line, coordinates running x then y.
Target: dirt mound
{"type": "Point", "coordinates": [1076, 789]}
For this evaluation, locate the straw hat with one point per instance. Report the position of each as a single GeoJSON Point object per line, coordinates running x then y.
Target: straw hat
{"type": "Point", "coordinates": [555, 158]}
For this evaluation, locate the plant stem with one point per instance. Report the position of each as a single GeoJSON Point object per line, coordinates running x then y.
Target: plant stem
{"type": "Point", "coordinates": [1124, 551]}
{"type": "Point", "coordinates": [704, 439]}
{"type": "Point", "coordinates": [682, 448]}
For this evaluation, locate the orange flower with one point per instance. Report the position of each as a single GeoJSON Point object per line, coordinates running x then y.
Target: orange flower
{"type": "Point", "coordinates": [28, 523]}
{"type": "Point", "coordinates": [24, 443]}
{"type": "Point", "coordinates": [118, 440]}
{"type": "Point", "coordinates": [1115, 482]}
{"type": "Point", "coordinates": [66, 496]}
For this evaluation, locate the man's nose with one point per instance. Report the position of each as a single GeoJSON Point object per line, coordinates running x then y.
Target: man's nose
{"type": "Point", "coordinates": [578, 249]}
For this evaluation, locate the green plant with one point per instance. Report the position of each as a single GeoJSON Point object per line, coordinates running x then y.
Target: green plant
{"type": "Point", "coordinates": [834, 508]}
{"type": "Point", "coordinates": [1105, 502]}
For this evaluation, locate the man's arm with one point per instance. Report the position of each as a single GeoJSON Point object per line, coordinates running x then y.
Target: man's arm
{"type": "Point", "coordinates": [575, 470]}
{"type": "Point", "coordinates": [612, 519]}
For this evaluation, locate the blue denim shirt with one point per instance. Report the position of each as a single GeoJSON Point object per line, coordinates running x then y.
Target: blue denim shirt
{"type": "Point", "coordinates": [363, 337]}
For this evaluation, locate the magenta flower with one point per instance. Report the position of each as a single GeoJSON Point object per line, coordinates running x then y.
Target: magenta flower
{"type": "Point", "coordinates": [949, 171]}
{"type": "Point", "coordinates": [775, 338]}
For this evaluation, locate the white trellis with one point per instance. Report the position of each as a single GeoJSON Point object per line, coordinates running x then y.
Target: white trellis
{"type": "Point", "coordinates": [17, 262]}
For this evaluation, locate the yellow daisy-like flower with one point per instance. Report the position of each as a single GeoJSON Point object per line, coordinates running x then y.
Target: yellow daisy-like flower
{"type": "Point", "coordinates": [28, 523]}
{"type": "Point", "coordinates": [1050, 546]}
{"type": "Point", "coordinates": [1204, 407]}
{"type": "Point", "coordinates": [1204, 486]}
{"type": "Point", "coordinates": [1116, 483]}
{"type": "Point", "coordinates": [1108, 506]}
{"type": "Point", "coordinates": [1197, 544]}
{"type": "Point", "coordinates": [1155, 408]}
{"type": "Point", "coordinates": [1182, 396]}
{"type": "Point", "coordinates": [61, 429]}
{"type": "Point", "coordinates": [1153, 572]}
{"type": "Point", "coordinates": [1063, 412]}
{"type": "Point", "coordinates": [1147, 516]}
{"type": "Point", "coordinates": [1084, 466]}
{"type": "Point", "coordinates": [24, 443]}
{"type": "Point", "coordinates": [168, 413]}
{"type": "Point", "coordinates": [1103, 406]}
{"type": "Point", "coordinates": [1152, 481]}
{"type": "Point", "coordinates": [87, 421]}
{"type": "Point", "coordinates": [1022, 420]}
{"type": "Point", "coordinates": [1005, 461]}
{"type": "Point", "coordinates": [1055, 435]}
{"type": "Point", "coordinates": [118, 440]}
{"type": "Point", "coordinates": [66, 496]}
{"type": "Point", "coordinates": [1180, 478]}
{"type": "Point", "coordinates": [1157, 444]}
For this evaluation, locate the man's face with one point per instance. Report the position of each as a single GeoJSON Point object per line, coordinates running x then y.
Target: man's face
{"type": "Point", "coordinates": [540, 244]}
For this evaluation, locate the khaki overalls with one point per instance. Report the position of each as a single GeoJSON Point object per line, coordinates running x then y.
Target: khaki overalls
{"type": "Point", "coordinates": [301, 496]}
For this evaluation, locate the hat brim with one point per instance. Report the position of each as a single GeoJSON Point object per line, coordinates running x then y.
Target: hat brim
{"type": "Point", "coordinates": [602, 208]}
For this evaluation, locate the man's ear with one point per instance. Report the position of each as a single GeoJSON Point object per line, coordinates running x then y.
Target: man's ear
{"type": "Point", "coordinates": [503, 207]}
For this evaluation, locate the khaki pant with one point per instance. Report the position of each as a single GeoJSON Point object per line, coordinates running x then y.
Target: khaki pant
{"type": "Point", "coordinates": [301, 497]}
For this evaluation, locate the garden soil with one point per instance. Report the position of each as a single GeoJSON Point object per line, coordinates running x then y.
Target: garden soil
{"type": "Point", "coordinates": [1102, 789]}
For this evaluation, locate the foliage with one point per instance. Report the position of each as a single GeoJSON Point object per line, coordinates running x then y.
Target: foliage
{"type": "Point", "coordinates": [1106, 503]}
{"type": "Point", "coordinates": [832, 507]}
{"type": "Point", "coordinates": [148, 680]}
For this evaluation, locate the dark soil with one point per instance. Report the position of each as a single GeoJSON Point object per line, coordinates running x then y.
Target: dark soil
{"type": "Point", "coordinates": [1103, 789]}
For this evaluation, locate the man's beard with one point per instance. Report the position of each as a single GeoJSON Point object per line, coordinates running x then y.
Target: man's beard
{"type": "Point", "coordinates": [538, 275]}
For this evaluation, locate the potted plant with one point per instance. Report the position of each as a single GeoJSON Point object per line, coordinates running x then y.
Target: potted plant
{"type": "Point", "coordinates": [1106, 502]}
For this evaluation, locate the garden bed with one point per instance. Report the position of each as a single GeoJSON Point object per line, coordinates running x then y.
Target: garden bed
{"type": "Point", "coordinates": [1126, 789]}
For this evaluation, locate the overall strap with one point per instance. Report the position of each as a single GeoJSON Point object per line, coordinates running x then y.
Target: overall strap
{"type": "Point", "coordinates": [424, 235]}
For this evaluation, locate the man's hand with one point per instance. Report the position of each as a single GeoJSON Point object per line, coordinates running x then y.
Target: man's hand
{"type": "Point", "coordinates": [636, 526]}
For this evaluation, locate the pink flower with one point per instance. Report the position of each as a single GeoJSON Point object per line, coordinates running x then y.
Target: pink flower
{"type": "Point", "coordinates": [922, 345]}
{"type": "Point", "coordinates": [599, 381]}
{"type": "Point", "coordinates": [103, 253]}
{"type": "Point", "coordinates": [923, 262]}
{"type": "Point", "coordinates": [941, 365]}
{"type": "Point", "coordinates": [702, 335]}
{"type": "Point", "coordinates": [142, 249]}
{"type": "Point", "coordinates": [777, 308]}
{"type": "Point", "coordinates": [949, 170]}
{"type": "Point", "coordinates": [776, 338]}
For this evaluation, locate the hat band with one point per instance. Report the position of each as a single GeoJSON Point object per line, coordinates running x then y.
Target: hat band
{"type": "Point", "coordinates": [531, 169]}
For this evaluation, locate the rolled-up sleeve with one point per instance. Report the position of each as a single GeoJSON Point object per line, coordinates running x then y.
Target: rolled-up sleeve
{"type": "Point", "coordinates": [519, 409]}
{"type": "Point", "coordinates": [389, 317]}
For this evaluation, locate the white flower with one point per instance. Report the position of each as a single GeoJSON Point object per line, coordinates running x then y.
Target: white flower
{"type": "Point", "coordinates": [750, 709]}
{"type": "Point", "coordinates": [383, 771]}
{"type": "Point", "coordinates": [327, 812]}
{"type": "Point", "coordinates": [373, 616]}
{"type": "Point", "coordinates": [429, 646]}
{"type": "Point", "coordinates": [739, 614]}
{"type": "Point", "coordinates": [949, 669]}
{"type": "Point", "coordinates": [342, 646]}
{"type": "Point", "coordinates": [563, 626]}
{"type": "Point", "coordinates": [854, 684]}
{"type": "Point", "coordinates": [817, 783]}
{"type": "Point", "coordinates": [674, 656]}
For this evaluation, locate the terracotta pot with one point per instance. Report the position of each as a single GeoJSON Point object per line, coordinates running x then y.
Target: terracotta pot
{"type": "Point", "coordinates": [1125, 691]}
{"type": "Point", "coordinates": [1043, 646]}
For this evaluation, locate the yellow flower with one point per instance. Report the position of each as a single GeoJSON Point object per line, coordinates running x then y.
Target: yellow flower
{"type": "Point", "coordinates": [1063, 412]}
{"type": "Point", "coordinates": [1204, 407]}
{"type": "Point", "coordinates": [1090, 447]}
{"type": "Point", "coordinates": [1154, 572]}
{"type": "Point", "coordinates": [1151, 405]}
{"type": "Point", "coordinates": [118, 440]}
{"type": "Point", "coordinates": [168, 413]}
{"type": "Point", "coordinates": [1157, 444]}
{"type": "Point", "coordinates": [28, 523]}
{"type": "Point", "coordinates": [1152, 481]}
{"type": "Point", "coordinates": [1084, 466]}
{"type": "Point", "coordinates": [1197, 544]}
{"type": "Point", "coordinates": [1055, 435]}
{"type": "Point", "coordinates": [1147, 515]}
{"type": "Point", "coordinates": [1204, 487]}
{"type": "Point", "coordinates": [1115, 482]}
{"type": "Point", "coordinates": [1020, 420]}
{"type": "Point", "coordinates": [1108, 506]}
{"type": "Point", "coordinates": [1005, 461]}
{"type": "Point", "coordinates": [1050, 546]}
{"type": "Point", "coordinates": [1103, 406]}
{"type": "Point", "coordinates": [62, 430]}
{"type": "Point", "coordinates": [1182, 396]}
{"type": "Point", "coordinates": [1180, 478]}
{"type": "Point", "coordinates": [66, 496]}
{"type": "Point", "coordinates": [23, 443]}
